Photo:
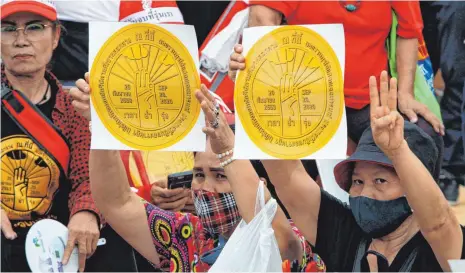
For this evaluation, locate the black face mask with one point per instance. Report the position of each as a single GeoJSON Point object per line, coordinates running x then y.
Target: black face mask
{"type": "Point", "coordinates": [379, 218]}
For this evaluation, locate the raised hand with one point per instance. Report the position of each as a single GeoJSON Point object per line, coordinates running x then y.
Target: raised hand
{"type": "Point", "coordinates": [221, 137]}
{"type": "Point", "coordinates": [20, 176]}
{"type": "Point", "coordinates": [386, 123]}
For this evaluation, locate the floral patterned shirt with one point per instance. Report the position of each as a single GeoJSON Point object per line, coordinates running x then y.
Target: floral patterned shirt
{"type": "Point", "coordinates": [180, 241]}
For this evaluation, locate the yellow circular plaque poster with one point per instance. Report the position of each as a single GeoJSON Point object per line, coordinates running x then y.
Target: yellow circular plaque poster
{"type": "Point", "coordinates": [290, 96]}
{"type": "Point", "coordinates": [143, 81]}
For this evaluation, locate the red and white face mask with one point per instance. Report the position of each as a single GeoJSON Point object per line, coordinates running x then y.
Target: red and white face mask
{"type": "Point", "coordinates": [217, 212]}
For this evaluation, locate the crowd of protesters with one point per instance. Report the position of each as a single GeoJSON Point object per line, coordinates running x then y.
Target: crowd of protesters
{"type": "Point", "coordinates": [403, 172]}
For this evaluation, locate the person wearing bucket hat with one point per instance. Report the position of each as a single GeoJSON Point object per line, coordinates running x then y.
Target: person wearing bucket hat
{"type": "Point", "coordinates": [397, 218]}
{"type": "Point", "coordinates": [378, 218]}
{"type": "Point", "coordinates": [44, 143]}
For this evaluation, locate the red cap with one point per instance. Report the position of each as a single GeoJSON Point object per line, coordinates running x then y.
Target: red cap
{"type": "Point", "coordinates": [45, 8]}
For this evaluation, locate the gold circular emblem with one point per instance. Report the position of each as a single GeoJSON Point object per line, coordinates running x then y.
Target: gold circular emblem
{"type": "Point", "coordinates": [30, 178]}
{"type": "Point", "coordinates": [143, 81]}
{"type": "Point", "coordinates": [290, 96]}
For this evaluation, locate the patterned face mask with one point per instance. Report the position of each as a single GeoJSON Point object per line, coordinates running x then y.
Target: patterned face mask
{"type": "Point", "coordinates": [218, 212]}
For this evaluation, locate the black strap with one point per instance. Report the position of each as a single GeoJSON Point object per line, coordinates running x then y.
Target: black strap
{"type": "Point", "coordinates": [361, 251]}
{"type": "Point", "coordinates": [359, 255]}
{"type": "Point", "coordinates": [408, 264]}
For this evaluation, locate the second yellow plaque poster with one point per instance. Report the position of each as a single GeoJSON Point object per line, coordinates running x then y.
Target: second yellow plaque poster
{"type": "Point", "coordinates": [143, 82]}
{"type": "Point", "coordinates": [290, 97]}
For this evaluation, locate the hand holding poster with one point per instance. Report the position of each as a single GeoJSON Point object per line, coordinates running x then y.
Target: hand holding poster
{"type": "Point", "coordinates": [290, 97]}
{"type": "Point", "coordinates": [143, 80]}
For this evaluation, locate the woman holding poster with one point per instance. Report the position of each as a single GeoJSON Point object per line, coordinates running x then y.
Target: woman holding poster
{"type": "Point", "coordinates": [183, 242]}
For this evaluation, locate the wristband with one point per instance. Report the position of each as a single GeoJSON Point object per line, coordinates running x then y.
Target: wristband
{"type": "Point", "coordinates": [222, 155]}
{"type": "Point", "coordinates": [226, 163]}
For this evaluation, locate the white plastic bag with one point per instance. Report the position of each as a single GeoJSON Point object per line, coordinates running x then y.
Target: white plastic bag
{"type": "Point", "coordinates": [253, 246]}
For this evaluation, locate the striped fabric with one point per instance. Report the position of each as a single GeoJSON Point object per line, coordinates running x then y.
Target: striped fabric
{"type": "Point", "coordinates": [218, 212]}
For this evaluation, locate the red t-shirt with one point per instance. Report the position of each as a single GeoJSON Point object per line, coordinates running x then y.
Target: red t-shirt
{"type": "Point", "coordinates": [366, 30]}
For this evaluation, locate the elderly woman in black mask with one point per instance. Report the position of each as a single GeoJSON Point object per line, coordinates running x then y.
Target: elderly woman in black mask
{"type": "Point", "coordinates": [398, 219]}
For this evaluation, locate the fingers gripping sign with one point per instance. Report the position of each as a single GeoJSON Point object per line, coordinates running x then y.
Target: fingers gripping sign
{"type": "Point", "coordinates": [386, 123]}
{"type": "Point", "coordinates": [236, 62]}
{"type": "Point", "coordinates": [81, 96]}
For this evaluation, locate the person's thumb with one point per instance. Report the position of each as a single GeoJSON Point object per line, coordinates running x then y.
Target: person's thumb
{"type": "Point", "coordinates": [7, 229]}
{"type": "Point", "coordinates": [238, 48]}
{"type": "Point", "coordinates": [411, 115]}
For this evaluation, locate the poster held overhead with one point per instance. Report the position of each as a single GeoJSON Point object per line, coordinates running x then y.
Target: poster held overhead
{"type": "Point", "coordinates": [290, 97]}
{"type": "Point", "coordinates": [143, 79]}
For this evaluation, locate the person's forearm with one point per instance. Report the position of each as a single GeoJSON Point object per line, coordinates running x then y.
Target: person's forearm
{"type": "Point", "coordinates": [298, 192]}
{"type": "Point", "coordinates": [287, 176]}
{"type": "Point", "coordinates": [244, 184]}
{"type": "Point", "coordinates": [407, 58]}
{"type": "Point", "coordinates": [423, 194]}
{"type": "Point", "coordinates": [263, 16]}
{"type": "Point", "coordinates": [122, 208]}
{"type": "Point", "coordinates": [108, 179]}
{"type": "Point", "coordinates": [284, 172]}
{"type": "Point", "coordinates": [288, 242]}
{"type": "Point", "coordinates": [436, 219]}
